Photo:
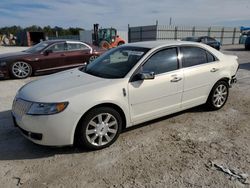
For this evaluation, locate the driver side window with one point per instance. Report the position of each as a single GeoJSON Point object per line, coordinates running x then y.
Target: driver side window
{"type": "Point", "coordinates": [162, 62]}
{"type": "Point", "coordinates": [60, 47]}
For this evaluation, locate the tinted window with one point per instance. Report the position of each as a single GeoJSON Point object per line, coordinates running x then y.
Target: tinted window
{"type": "Point", "coordinates": [60, 47]}
{"type": "Point", "coordinates": [76, 46]}
{"type": "Point", "coordinates": [37, 47]}
{"type": "Point", "coordinates": [163, 61]}
{"type": "Point", "coordinates": [204, 40]}
{"type": "Point", "coordinates": [210, 39]}
{"type": "Point", "coordinates": [193, 56]}
{"type": "Point", "coordinates": [210, 57]}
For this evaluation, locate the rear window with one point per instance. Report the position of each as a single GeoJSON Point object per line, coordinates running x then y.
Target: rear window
{"type": "Point", "coordinates": [76, 46]}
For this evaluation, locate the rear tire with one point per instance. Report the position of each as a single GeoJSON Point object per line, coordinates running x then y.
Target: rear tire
{"type": "Point", "coordinates": [99, 128]}
{"type": "Point", "coordinates": [120, 43]}
{"type": "Point", "coordinates": [20, 70]}
{"type": "Point", "coordinates": [218, 95]}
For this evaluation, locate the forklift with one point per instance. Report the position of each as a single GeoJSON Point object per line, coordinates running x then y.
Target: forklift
{"type": "Point", "coordinates": [106, 38]}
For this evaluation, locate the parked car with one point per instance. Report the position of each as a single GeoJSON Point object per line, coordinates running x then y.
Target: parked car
{"type": "Point", "coordinates": [126, 86]}
{"type": "Point", "coordinates": [46, 57]}
{"type": "Point", "coordinates": [247, 43]}
{"type": "Point", "coordinates": [206, 40]}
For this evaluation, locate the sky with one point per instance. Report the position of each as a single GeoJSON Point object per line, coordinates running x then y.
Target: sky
{"type": "Point", "coordinates": [120, 13]}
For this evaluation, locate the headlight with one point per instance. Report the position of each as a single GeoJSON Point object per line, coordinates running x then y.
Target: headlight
{"type": "Point", "coordinates": [47, 108]}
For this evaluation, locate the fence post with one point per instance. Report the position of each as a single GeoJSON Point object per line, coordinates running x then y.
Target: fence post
{"type": "Point", "coordinates": [175, 32]}
{"type": "Point", "coordinates": [234, 35]}
{"type": "Point", "coordinates": [222, 36]}
{"type": "Point", "coordinates": [209, 32]}
{"type": "Point", "coordinates": [140, 33]}
{"type": "Point", "coordinates": [193, 31]}
{"type": "Point", "coordinates": [128, 33]}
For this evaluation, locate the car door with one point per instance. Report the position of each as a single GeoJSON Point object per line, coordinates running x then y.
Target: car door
{"type": "Point", "coordinates": [154, 98]}
{"type": "Point", "coordinates": [77, 54]}
{"type": "Point", "coordinates": [53, 57]}
{"type": "Point", "coordinates": [201, 70]}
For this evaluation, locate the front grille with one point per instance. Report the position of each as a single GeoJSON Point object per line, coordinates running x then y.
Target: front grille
{"type": "Point", "coordinates": [20, 107]}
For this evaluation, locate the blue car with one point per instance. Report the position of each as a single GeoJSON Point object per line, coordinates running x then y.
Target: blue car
{"type": "Point", "coordinates": [247, 43]}
{"type": "Point", "coordinates": [206, 40]}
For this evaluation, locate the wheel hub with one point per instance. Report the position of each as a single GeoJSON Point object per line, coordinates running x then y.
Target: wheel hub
{"type": "Point", "coordinates": [102, 129]}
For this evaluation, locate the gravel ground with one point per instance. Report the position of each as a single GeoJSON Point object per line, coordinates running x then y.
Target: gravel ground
{"type": "Point", "coordinates": [182, 150]}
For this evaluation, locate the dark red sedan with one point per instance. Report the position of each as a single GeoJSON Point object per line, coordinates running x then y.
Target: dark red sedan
{"type": "Point", "coordinates": [47, 57]}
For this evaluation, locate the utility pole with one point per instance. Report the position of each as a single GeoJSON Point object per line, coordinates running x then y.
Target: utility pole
{"type": "Point", "coordinates": [170, 21]}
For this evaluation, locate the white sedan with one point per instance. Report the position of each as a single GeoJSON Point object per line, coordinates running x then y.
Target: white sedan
{"type": "Point", "coordinates": [128, 85]}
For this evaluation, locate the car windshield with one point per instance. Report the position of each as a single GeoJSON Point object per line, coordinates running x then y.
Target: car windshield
{"type": "Point", "coordinates": [116, 63]}
{"type": "Point", "coordinates": [37, 48]}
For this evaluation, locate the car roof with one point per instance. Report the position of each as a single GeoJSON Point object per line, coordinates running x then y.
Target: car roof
{"type": "Point", "coordinates": [152, 45]}
{"type": "Point", "coordinates": [158, 43]}
{"type": "Point", "coordinates": [62, 40]}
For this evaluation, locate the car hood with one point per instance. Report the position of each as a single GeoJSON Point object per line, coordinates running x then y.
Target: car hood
{"type": "Point", "coordinates": [60, 86]}
{"type": "Point", "coordinates": [13, 55]}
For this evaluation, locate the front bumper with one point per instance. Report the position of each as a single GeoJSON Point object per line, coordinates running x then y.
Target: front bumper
{"type": "Point", "coordinates": [49, 130]}
{"type": "Point", "coordinates": [233, 81]}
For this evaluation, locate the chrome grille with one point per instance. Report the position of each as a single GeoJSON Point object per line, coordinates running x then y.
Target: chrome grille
{"type": "Point", "coordinates": [20, 107]}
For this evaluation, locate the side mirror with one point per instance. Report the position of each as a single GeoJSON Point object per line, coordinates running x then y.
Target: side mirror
{"type": "Point", "coordinates": [143, 76]}
{"type": "Point", "coordinates": [47, 52]}
{"type": "Point", "coordinates": [147, 75]}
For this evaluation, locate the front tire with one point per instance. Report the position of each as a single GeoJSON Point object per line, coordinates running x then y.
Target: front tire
{"type": "Point", "coordinates": [218, 95]}
{"type": "Point", "coordinates": [99, 128]}
{"type": "Point", "coordinates": [21, 70]}
{"type": "Point", "coordinates": [92, 58]}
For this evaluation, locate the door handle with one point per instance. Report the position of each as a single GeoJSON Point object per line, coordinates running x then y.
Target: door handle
{"type": "Point", "coordinates": [214, 70]}
{"type": "Point", "coordinates": [176, 79]}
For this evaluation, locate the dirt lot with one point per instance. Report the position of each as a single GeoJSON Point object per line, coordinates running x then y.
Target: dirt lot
{"type": "Point", "coordinates": [182, 150]}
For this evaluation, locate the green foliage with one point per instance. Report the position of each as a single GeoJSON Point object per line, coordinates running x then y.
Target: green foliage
{"type": "Point", "coordinates": [49, 31]}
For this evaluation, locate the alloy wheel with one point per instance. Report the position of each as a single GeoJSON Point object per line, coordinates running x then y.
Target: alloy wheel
{"type": "Point", "coordinates": [92, 58]}
{"type": "Point", "coordinates": [101, 129]}
{"type": "Point", "coordinates": [21, 69]}
{"type": "Point", "coordinates": [220, 95]}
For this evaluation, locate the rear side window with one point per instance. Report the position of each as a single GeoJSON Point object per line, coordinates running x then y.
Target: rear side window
{"type": "Point", "coordinates": [210, 57]}
{"type": "Point", "coordinates": [163, 61]}
{"type": "Point", "coordinates": [195, 56]}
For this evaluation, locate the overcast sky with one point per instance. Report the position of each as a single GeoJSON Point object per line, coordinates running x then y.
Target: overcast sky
{"type": "Point", "coordinates": [120, 13]}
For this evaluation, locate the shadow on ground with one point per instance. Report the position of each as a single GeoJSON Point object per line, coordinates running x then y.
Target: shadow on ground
{"type": "Point", "coordinates": [14, 146]}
